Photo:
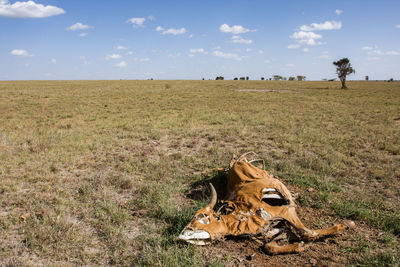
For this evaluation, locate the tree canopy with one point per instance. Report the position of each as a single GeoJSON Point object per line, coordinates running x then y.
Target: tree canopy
{"type": "Point", "coordinates": [343, 68]}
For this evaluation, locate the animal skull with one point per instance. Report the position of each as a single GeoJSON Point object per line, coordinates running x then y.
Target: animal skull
{"type": "Point", "coordinates": [255, 204]}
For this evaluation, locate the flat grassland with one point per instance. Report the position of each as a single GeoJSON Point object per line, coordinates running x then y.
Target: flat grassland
{"type": "Point", "coordinates": [109, 172]}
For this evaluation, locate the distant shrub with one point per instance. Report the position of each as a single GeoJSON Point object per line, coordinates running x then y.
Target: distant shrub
{"type": "Point", "coordinates": [301, 77]}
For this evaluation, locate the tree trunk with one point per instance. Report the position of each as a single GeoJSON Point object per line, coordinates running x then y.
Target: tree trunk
{"type": "Point", "coordinates": [343, 80]}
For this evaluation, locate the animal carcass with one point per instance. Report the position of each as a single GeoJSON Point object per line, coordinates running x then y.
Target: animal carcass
{"type": "Point", "coordinates": [258, 205]}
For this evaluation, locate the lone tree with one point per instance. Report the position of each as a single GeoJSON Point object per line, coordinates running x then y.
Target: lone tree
{"type": "Point", "coordinates": [343, 68]}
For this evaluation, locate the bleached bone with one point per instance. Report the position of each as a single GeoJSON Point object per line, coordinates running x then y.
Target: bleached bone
{"type": "Point", "coordinates": [273, 196]}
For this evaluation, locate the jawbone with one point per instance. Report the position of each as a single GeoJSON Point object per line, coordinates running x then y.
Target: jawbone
{"type": "Point", "coordinates": [199, 237]}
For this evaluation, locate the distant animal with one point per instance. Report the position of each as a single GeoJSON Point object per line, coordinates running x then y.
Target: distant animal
{"type": "Point", "coordinates": [256, 205]}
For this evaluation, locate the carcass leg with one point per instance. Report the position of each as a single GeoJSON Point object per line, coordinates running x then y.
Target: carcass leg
{"type": "Point", "coordinates": [273, 248]}
{"type": "Point", "coordinates": [290, 215]}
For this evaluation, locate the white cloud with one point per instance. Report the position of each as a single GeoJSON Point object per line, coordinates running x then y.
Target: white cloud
{"type": "Point", "coordinates": [393, 53]}
{"type": "Point", "coordinates": [129, 53]}
{"type": "Point", "coordinates": [239, 40]}
{"type": "Point", "coordinates": [171, 31]}
{"type": "Point", "coordinates": [136, 22]}
{"type": "Point", "coordinates": [227, 55]}
{"type": "Point", "coordinates": [113, 56]}
{"type": "Point", "coordinates": [338, 11]}
{"type": "Point", "coordinates": [151, 18]}
{"type": "Point", "coordinates": [324, 56]}
{"type": "Point", "coordinates": [122, 64]}
{"type": "Point", "coordinates": [309, 42]}
{"type": "Point", "coordinates": [174, 55]}
{"type": "Point", "coordinates": [28, 9]}
{"type": "Point", "coordinates": [306, 38]}
{"type": "Point", "coordinates": [191, 36]}
{"type": "Point", "coordinates": [174, 31]}
{"type": "Point", "coordinates": [141, 59]}
{"type": "Point", "coordinates": [305, 49]}
{"type": "Point", "coordinates": [375, 52]}
{"type": "Point", "coordinates": [21, 53]}
{"type": "Point", "coordinates": [398, 26]}
{"type": "Point", "coordinates": [260, 51]}
{"type": "Point", "coordinates": [267, 61]}
{"type": "Point", "coordinates": [366, 48]}
{"type": "Point", "coordinates": [305, 35]}
{"type": "Point", "coordinates": [217, 47]}
{"type": "Point", "coordinates": [53, 60]}
{"type": "Point", "coordinates": [249, 49]}
{"type": "Point", "coordinates": [289, 65]}
{"type": "Point", "coordinates": [199, 50]}
{"type": "Point", "coordinates": [78, 26]}
{"type": "Point", "coordinates": [120, 47]}
{"type": "Point", "coordinates": [235, 29]}
{"type": "Point", "coordinates": [293, 46]}
{"type": "Point", "coordinates": [327, 25]}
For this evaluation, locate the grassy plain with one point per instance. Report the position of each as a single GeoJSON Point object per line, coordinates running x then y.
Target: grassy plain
{"type": "Point", "coordinates": [104, 172]}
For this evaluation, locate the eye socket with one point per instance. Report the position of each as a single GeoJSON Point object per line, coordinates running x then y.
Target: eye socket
{"type": "Point", "coordinates": [203, 218]}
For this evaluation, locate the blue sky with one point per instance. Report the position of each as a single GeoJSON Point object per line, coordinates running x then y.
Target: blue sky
{"type": "Point", "coordinates": [59, 39]}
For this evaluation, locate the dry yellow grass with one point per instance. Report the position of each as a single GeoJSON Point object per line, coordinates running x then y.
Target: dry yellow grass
{"type": "Point", "coordinates": [94, 172]}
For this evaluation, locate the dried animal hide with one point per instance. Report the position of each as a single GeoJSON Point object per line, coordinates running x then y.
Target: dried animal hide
{"type": "Point", "coordinates": [255, 204]}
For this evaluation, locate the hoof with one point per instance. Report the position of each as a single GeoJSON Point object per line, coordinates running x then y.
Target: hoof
{"type": "Point", "coordinates": [300, 247]}
{"type": "Point", "coordinates": [349, 224]}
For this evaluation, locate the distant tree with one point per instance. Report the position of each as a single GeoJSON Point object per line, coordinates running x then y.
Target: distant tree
{"type": "Point", "coordinates": [262, 78]}
{"type": "Point", "coordinates": [343, 68]}
{"type": "Point", "coordinates": [301, 77]}
{"type": "Point", "coordinates": [219, 78]}
{"type": "Point", "coordinates": [247, 78]}
{"type": "Point", "coordinates": [202, 79]}
{"type": "Point", "coordinates": [367, 78]}
{"type": "Point", "coordinates": [242, 78]}
{"type": "Point", "coordinates": [235, 79]}
{"type": "Point", "coordinates": [277, 77]}
{"type": "Point", "coordinates": [291, 78]}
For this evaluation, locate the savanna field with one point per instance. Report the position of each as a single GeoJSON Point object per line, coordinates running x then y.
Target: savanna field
{"type": "Point", "coordinates": [109, 172]}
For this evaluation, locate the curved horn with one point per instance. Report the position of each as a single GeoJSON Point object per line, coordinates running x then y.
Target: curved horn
{"type": "Point", "coordinates": [213, 200]}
